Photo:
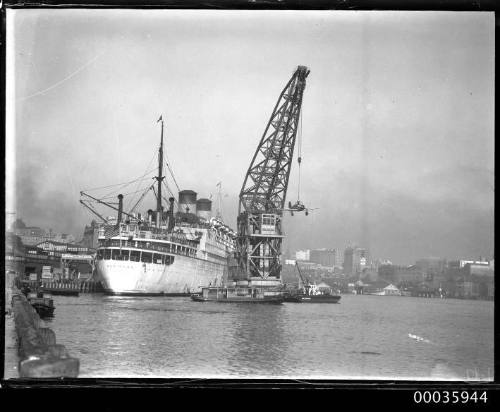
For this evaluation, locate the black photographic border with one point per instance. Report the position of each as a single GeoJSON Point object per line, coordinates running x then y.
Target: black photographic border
{"type": "Point", "coordinates": [117, 394]}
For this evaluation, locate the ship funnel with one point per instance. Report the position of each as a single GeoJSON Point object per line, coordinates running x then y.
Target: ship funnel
{"type": "Point", "coordinates": [204, 209]}
{"type": "Point", "coordinates": [187, 201]}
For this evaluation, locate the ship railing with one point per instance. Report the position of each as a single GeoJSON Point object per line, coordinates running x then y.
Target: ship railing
{"type": "Point", "coordinates": [150, 246]}
{"type": "Point", "coordinates": [152, 233]}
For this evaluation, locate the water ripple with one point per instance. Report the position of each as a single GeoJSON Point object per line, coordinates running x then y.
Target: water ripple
{"type": "Point", "coordinates": [364, 336]}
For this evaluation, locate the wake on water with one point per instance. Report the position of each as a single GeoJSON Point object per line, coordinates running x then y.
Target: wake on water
{"type": "Point", "coordinates": [419, 338]}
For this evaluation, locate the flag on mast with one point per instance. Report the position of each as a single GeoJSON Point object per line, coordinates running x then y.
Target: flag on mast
{"type": "Point", "coordinates": [161, 118]}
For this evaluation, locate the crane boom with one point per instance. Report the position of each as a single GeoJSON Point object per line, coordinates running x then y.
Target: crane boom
{"type": "Point", "coordinates": [265, 185]}
{"type": "Point", "coordinates": [263, 193]}
{"type": "Point", "coordinates": [304, 282]}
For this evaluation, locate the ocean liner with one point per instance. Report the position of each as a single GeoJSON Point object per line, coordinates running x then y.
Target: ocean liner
{"type": "Point", "coordinates": [162, 252]}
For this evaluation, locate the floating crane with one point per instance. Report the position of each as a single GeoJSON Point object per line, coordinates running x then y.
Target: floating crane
{"type": "Point", "coordinates": [305, 283]}
{"type": "Point", "coordinates": [262, 196]}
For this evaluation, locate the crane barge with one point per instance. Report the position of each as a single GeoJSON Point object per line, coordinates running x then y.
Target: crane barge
{"type": "Point", "coordinates": [255, 271]}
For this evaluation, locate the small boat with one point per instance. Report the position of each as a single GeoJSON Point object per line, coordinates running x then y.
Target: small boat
{"type": "Point", "coordinates": [43, 305]}
{"type": "Point", "coordinates": [198, 297]}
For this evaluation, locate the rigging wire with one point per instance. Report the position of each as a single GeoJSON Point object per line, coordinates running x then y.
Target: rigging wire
{"type": "Point", "coordinates": [165, 184]}
{"type": "Point", "coordinates": [167, 163]}
{"type": "Point", "coordinates": [112, 197]}
{"type": "Point", "coordinates": [141, 190]}
{"type": "Point", "coordinates": [147, 167]}
{"type": "Point", "coordinates": [141, 198]}
{"type": "Point", "coordinates": [119, 184]}
{"type": "Point", "coordinates": [114, 193]}
{"type": "Point", "coordinates": [171, 193]}
{"type": "Point", "coordinates": [154, 191]}
{"type": "Point", "coordinates": [142, 178]}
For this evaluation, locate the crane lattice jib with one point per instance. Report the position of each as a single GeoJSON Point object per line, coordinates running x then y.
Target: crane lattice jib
{"type": "Point", "coordinates": [265, 185]}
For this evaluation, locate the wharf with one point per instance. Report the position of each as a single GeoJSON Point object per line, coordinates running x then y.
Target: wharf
{"type": "Point", "coordinates": [11, 361]}
{"type": "Point", "coordinates": [67, 287]}
{"type": "Point", "coordinates": [31, 347]}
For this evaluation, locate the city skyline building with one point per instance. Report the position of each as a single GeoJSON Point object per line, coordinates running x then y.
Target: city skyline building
{"type": "Point", "coordinates": [355, 260]}
{"type": "Point", "coordinates": [302, 255]}
{"type": "Point", "coordinates": [32, 235]}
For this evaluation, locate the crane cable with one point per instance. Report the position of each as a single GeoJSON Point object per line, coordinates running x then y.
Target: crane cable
{"type": "Point", "coordinates": [299, 158]}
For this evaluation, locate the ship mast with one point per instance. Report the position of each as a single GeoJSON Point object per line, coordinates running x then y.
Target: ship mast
{"type": "Point", "coordinates": [160, 177]}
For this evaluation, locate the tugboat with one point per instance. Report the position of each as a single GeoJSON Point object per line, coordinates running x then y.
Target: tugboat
{"type": "Point", "coordinates": [310, 293]}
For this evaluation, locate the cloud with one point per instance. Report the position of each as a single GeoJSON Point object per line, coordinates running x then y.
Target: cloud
{"type": "Point", "coordinates": [401, 226]}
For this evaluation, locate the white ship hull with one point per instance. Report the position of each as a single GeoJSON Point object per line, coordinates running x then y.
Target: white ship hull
{"type": "Point", "coordinates": [186, 275]}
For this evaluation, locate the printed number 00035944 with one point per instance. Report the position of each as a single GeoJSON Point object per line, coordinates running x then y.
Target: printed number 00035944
{"type": "Point", "coordinates": [449, 397]}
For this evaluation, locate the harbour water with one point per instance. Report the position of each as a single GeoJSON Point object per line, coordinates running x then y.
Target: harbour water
{"type": "Point", "coordinates": [363, 337]}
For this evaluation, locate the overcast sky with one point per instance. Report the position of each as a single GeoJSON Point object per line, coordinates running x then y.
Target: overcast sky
{"type": "Point", "coordinates": [397, 126]}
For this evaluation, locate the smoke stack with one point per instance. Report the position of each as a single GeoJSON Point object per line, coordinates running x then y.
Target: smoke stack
{"type": "Point", "coordinates": [187, 201]}
{"type": "Point", "coordinates": [171, 219]}
{"type": "Point", "coordinates": [204, 209]}
{"type": "Point", "coordinates": [120, 209]}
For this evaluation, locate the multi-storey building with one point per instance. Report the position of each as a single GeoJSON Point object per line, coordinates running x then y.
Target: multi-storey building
{"type": "Point", "coordinates": [324, 257]}
{"type": "Point", "coordinates": [90, 235]}
{"type": "Point", "coordinates": [355, 260]}
{"type": "Point", "coordinates": [303, 255]}
{"type": "Point", "coordinates": [32, 235]}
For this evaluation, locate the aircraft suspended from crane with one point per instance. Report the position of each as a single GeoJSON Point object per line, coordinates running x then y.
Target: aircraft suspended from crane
{"type": "Point", "coordinates": [298, 206]}
{"type": "Point", "coordinates": [262, 196]}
